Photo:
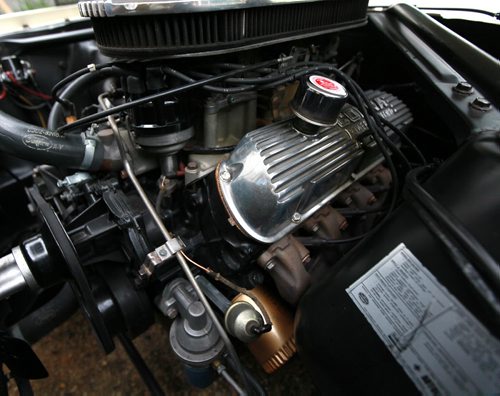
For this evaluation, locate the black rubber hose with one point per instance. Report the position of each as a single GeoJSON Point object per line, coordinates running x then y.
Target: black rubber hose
{"type": "Point", "coordinates": [45, 146]}
{"type": "Point", "coordinates": [74, 76]}
{"type": "Point", "coordinates": [41, 322]}
{"type": "Point", "coordinates": [75, 87]}
{"type": "Point", "coordinates": [212, 88]}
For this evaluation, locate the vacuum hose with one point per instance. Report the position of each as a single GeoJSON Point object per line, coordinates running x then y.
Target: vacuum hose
{"type": "Point", "coordinates": [75, 87]}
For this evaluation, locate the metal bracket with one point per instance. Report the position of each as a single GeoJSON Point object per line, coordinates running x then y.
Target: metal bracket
{"type": "Point", "coordinates": [74, 179]}
{"type": "Point", "coordinates": [160, 255]}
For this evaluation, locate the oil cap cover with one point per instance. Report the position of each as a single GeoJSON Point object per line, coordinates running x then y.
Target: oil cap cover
{"type": "Point", "coordinates": [318, 100]}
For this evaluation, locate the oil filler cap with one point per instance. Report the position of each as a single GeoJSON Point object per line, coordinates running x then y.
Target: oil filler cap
{"type": "Point", "coordinates": [317, 103]}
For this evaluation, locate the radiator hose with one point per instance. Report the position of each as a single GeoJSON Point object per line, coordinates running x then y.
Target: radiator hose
{"type": "Point", "coordinates": [45, 146]}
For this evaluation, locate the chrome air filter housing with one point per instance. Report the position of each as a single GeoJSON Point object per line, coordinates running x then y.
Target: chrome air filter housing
{"type": "Point", "coordinates": [186, 28]}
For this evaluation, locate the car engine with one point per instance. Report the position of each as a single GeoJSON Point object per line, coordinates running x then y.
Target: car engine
{"type": "Point", "coordinates": [250, 171]}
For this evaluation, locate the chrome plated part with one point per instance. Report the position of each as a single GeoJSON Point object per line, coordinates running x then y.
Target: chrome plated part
{"type": "Point", "coordinates": [12, 279]}
{"type": "Point", "coordinates": [159, 256]}
{"type": "Point", "coordinates": [88, 157]}
{"type": "Point", "coordinates": [240, 320]}
{"type": "Point", "coordinates": [15, 274]}
{"type": "Point", "coordinates": [225, 176]}
{"type": "Point", "coordinates": [109, 8]}
{"type": "Point", "coordinates": [74, 179]}
{"type": "Point", "coordinates": [290, 174]}
{"type": "Point", "coordinates": [318, 101]}
{"type": "Point", "coordinates": [23, 266]}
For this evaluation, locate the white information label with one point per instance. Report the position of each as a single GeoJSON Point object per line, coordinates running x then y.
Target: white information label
{"type": "Point", "coordinates": [442, 347]}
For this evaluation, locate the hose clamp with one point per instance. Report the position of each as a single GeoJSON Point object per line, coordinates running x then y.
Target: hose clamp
{"type": "Point", "coordinates": [88, 156]}
{"type": "Point", "coordinates": [23, 266]}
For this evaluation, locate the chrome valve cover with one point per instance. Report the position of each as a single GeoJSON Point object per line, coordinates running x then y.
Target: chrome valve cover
{"type": "Point", "coordinates": [277, 177]}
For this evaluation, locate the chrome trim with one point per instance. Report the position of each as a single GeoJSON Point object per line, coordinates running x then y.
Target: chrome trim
{"type": "Point", "coordinates": [88, 157]}
{"type": "Point", "coordinates": [109, 8]}
{"type": "Point", "coordinates": [23, 266]}
{"type": "Point", "coordinates": [11, 277]}
{"type": "Point", "coordinates": [276, 174]}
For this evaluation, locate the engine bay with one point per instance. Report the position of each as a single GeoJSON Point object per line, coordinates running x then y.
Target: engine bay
{"type": "Point", "coordinates": [239, 169]}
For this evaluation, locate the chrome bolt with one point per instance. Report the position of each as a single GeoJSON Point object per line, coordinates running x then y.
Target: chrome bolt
{"type": "Point", "coordinates": [463, 88]}
{"type": "Point", "coordinates": [481, 104]}
{"type": "Point", "coordinates": [225, 176]}
{"type": "Point", "coordinates": [163, 252]}
{"type": "Point", "coordinates": [296, 217]}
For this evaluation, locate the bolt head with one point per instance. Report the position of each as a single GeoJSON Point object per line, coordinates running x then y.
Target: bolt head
{"type": "Point", "coordinates": [225, 176]}
{"type": "Point", "coordinates": [163, 252]}
{"type": "Point", "coordinates": [192, 165]}
{"type": "Point", "coordinates": [481, 104]}
{"type": "Point", "coordinates": [31, 208]}
{"type": "Point", "coordinates": [171, 312]}
{"type": "Point", "coordinates": [463, 88]}
{"type": "Point", "coordinates": [270, 265]}
{"type": "Point", "coordinates": [296, 217]}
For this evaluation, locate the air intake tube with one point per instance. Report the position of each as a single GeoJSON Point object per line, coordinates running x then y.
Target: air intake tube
{"type": "Point", "coordinates": [40, 145]}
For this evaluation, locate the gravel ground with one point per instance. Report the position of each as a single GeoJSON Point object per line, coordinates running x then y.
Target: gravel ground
{"type": "Point", "coordinates": [77, 366]}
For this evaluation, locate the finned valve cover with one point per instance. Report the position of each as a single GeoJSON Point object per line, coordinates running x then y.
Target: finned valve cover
{"type": "Point", "coordinates": [277, 177]}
